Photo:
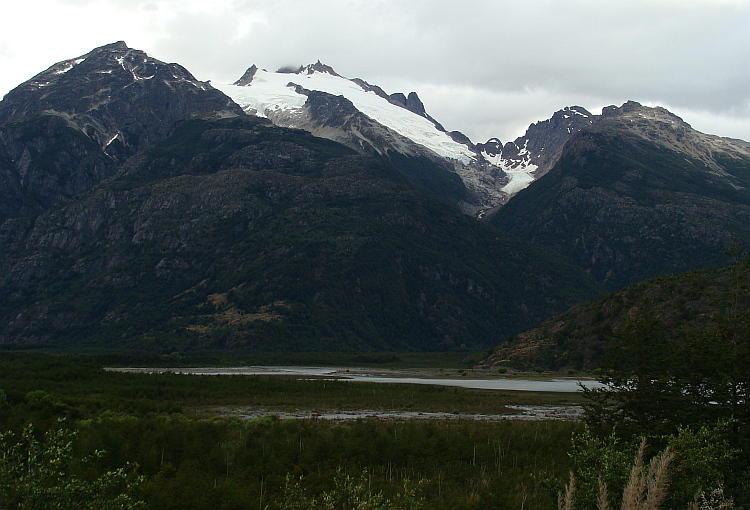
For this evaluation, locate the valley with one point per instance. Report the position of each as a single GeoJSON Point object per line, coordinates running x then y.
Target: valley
{"type": "Point", "coordinates": [239, 295]}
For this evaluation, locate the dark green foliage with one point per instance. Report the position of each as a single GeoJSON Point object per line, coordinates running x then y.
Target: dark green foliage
{"type": "Point", "coordinates": [678, 306]}
{"type": "Point", "coordinates": [702, 461]}
{"type": "Point", "coordinates": [673, 354]}
{"type": "Point", "coordinates": [44, 474]}
{"type": "Point", "coordinates": [695, 374]}
{"type": "Point", "coordinates": [224, 463]}
{"type": "Point", "coordinates": [347, 493]}
{"type": "Point", "coordinates": [656, 383]}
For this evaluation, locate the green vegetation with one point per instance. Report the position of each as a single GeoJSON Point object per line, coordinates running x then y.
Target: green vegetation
{"type": "Point", "coordinates": [192, 462]}
{"type": "Point", "coordinates": [60, 386]}
{"type": "Point", "coordinates": [661, 385]}
{"type": "Point", "coordinates": [676, 308]}
{"type": "Point", "coordinates": [228, 358]}
{"type": "Point", "coordinates": [166, 425]}
{"type": "Point", "coordinates": [645, 490]}
{"type": "Point", "coordinates": [349, 493]}
{"type": "Point", "coordinates": [674, 356]}
{"type": "Point", "coordinates": [693, 375]}
{"type": "Point", "coordinates": [42, 474]}
{"type": "Point", "coordinates": [693, 463]}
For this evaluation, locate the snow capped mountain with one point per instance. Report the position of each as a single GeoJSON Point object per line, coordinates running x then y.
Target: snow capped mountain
{"type": "Point", "coordinates": [72, 125]}
{"type": "Point", "coordinates": [279, 94]}
{"type": "Point", "coordinates": [364, 117]}
{"type": "Point", "coordinates": [491, 172]}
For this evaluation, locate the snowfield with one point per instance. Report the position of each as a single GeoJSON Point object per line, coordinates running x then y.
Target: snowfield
{"type": "Point", "coordinates": [272, 92]}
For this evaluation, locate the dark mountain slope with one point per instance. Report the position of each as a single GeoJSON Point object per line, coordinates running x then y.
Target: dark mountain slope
{"type": "Point", "coordinates": [236, 234]}
{"type": "Point", "coordinates": [69, 127]}
{"type": "Point", "coordinates": [336, 114]}
{"type": "Point", "coordinates": [680, 307]}
{"type": "Point", "coordinates": [636, 195]}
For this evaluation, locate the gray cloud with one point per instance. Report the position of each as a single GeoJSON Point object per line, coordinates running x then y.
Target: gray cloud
{"type": "Point", "coordinates": [484, 67]}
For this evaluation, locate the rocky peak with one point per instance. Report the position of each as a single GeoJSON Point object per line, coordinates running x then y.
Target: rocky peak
{"type": "Point", "coordinates": [633, 110]}
{"type": "Point", "coordinates": [75, 122]}
{"type": "Point", "coordinates": [411, 103]}
{"type": "Point", "coordinates": [492, 147]}
{"type": "Point", "coordinates": [415, 105]}
{"type": "Point", "coordinates": [247, 78]}
{"type": "Point", "coordinates": [319, 67]}
{"type": "Point", "coordinates": [459, 137]}
{"type": "Point", "coordinates": [85, 84]}
{"type": "Point", "coordinates": [540, 147]}
{"type": "Point", "coordinates": [660, 126]}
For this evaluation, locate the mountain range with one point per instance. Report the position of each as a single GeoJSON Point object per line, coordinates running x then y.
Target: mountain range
{"type": "Point", "coordinates": [396, 126]}
{"type": "Point", "coordinates": [637, 194]}
{"type": "Point", "coordinates": [141, 208]}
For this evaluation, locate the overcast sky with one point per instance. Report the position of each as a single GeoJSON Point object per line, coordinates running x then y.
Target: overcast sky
{"type": "Point", "coordinates": [484, 67]}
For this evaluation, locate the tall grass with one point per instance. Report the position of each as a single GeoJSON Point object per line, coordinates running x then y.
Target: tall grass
{"type": "Point", "coordinates": [645, 490]}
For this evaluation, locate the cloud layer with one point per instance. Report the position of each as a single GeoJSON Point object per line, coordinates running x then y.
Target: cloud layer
{"type": "Point", "coordinates": [483, 67]}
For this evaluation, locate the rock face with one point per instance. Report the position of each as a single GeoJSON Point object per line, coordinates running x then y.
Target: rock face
{"type": "Point", "coordinates": [235, 234]}
{"type": "Point", "coordinates": [247, 78]}
{"type": "Point", "coordinates": [70, 126]}
{"type": "Point", "coordinates": [532, 155]}
{"type": "Point", "coordinates": [636, 194]}
{"type": "Point", "coordinates": [543, 142]}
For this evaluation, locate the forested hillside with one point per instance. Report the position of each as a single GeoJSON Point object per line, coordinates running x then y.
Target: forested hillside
{"type": "Point", "coordinates": [235, 234]}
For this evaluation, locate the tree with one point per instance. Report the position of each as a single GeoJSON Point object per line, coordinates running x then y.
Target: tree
{"type": "Point", "coordinates": [657, 381]}
{"type": "Point", "coordinates": [639, 393]}
{"type": "Point", "coordinates": [39, 474]}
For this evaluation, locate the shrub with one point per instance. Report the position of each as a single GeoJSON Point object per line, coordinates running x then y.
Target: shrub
{"type": "Point", "coordinates": [36, 474]}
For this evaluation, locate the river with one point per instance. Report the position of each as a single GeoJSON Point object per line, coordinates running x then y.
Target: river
{"type": "Point", "coordinates": [398, 376]}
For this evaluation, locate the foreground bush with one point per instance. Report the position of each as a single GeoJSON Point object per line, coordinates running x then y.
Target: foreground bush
{"type": "Point", "coordinates": [646, 489]}
{"type": "Point", "coordinates": [39, 474]}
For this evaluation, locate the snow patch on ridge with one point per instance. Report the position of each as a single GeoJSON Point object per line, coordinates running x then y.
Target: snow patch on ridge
{"type": "Point", "coordinates": [269, 93]}
{"type": "Point", "coordinates": [69, 65]}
